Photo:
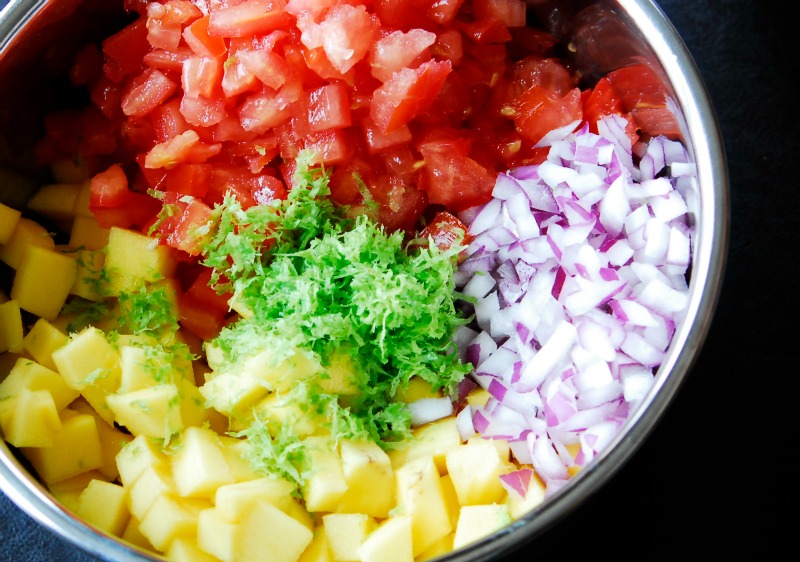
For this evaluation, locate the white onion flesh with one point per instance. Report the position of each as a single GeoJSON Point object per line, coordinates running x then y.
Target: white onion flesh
{"type": "Point", "coordinates": [578, 267]}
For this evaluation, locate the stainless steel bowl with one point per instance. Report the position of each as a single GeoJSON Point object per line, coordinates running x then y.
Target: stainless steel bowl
{"type": "Point", "coordinates": [38, 37]}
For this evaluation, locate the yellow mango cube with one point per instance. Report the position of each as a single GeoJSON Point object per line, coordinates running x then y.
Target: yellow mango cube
{"type": "Point", "coordinates": [370, 479]}
{"type": "Point", "coordinates": [87, 233]}
{"type": "Point", "coordinates": [236, 453]}
{"type": "Point", "coordinates": [475, 470]}
{"type": "Point", "coordinates": [199, 467]}
{"type": "Point", "coordinates": [432, 439]}
{"type": "Point", "coordinates": [231, 500]}
{"type": "Point", "coordinates": [281, 371]}
{"type": "Point", "coordinates": [391, 541]}
{"type": "Point", "coordinates": [346, 533]}
{"type": "Point", "coordinates": [27, 374]}
{"type": "Point", "coordinates": [43, 280]}
{"type": "Point", "coordinates": [233, 393]}
{"type": "Point", "coordinates": [42, 340]}
{"type": "Point", "coordinates": [134, 536]}
{"type": "Point", "coordinates": [154, 482]}
{"type": "Point", "coordinates": [325, 486]}
{"type": "Point", "coordinates": [11, 330]}
{"type": "Point", "coordinates": [185, 549]}
{"type": "Point", "coordinates": [288, 541]}
{"type": "Point", "coordinates": [420, 496]}
{"type": "Point", "coordinates": [170, 517]}
{"type": "Point", "coordinates": [277, 410]}
{"type": "Point", "coordinates": [216, 535]}
{"type": "Point", "coordinates": [68, 492]}
{"type": "Point", "coordinates": [104, 505]}
{"type": "Point", "coordinates": [89, 281]}
{"type": "Point", "coordinates": [76, 448]}
{"type": "Point", "coordinates": [27, 233]}
{"type": "Point", "coordinates": [90, 364]}
{"type": "Point", "coordinates": [478, 521]}
{"type": "Point", "coordinates": [133, 259]}
{"type": "Point", "coordinates": [137, 456]}
{"type": "Point", "coordinates": [153, 411]}
{"type": "Point", "coordinates": [112, 440]}
{"type": "Point", "coordinates": [55, 201]}
{"type": "Point", "coordinates": [416, 389]}
{"type": "Point", "coordinates": [34, 420]}
{"type": "Point", "coordinates": [9, 217]}
{"type": "Point", "coordinates": [318, 550]}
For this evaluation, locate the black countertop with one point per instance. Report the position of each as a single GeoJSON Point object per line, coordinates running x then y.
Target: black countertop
{"type": "Point", "coordinates": [715, 475]}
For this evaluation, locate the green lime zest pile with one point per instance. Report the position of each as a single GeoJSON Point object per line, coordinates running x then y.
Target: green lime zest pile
{"type": "Point", "coordinates": [315, 279]}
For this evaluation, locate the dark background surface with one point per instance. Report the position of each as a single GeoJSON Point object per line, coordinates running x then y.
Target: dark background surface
{"type": "Point", "coordinates": [716, 475]}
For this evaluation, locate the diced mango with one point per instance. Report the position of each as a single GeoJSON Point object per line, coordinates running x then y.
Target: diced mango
{"type": "Point", "coordinates": [391, 541]}
{"type": "Point", "coordinates": [346, 533]}
{"type": "Point", "coordinates": [154, 482]}
{"type": "Point", "coordinates": [216, 535]}
{"type": "Point", "coordinates": [87, 233]}
{"type": "Point", "coordinates": [439, 548]}
{"type": "Point", "coordinates": [134, 536]}
{"type": "Point", "coordinates": [55, 201]}
{"type": "Point", "coordinates": [43, 280]}
{"type": "Point", "coordinates": [42, 340]}
{"type": "Point", "coordinates": [31, 375]}
{"type": "Point", "coordinates": [185, 549]}
{"type": "Point", "coordinates": [236, 453]}
{"type": "Point", "coordinates": [252, 542]}
{"type": "Point", "coordinates": [11, 330]}
{"type": "Point", "coordinates": [277, 410]}
{"type": "Point", "coordinates": [478, 521]}
{"type": "Point", "coordinates": [280, 371]}
{"type": "Point", "coordinates": [76, 449]}
{"type": "Point", "coordinates": [420, 496]}
{"type": "Point", "coordinates": [137, 456]}
{"type": "Point", "coordinates": [170, 517]}
{"type": "Point", "coordinates": [432, 439]}
{"type": "Point", "coordinates": [370, 480]}
{"type": "Point", "coordinates": [90, 364]}
{"type": "Point", "coordinates": [416, 389]}
{"type": "Point", "coordinates": [325, 486]}
{"type": "Point", "coordinates": [233, 393]}
{"type": "Point", "coordinates": [104, 505]}
{"type": "Point", "coordinates": [27, 233]}
{"type": "Point", "coordinates": [475, 470]}
{"type": "Point", "coordinates": [340, 376]}
{"type": "Point", "coordinates": [153, 411]}
{"type": "Point", "coordinates": [318, 550]}
{"type": "Point", "coordinates": [89, 281]}
{"type": "Point", "coordinates": [68, 492]}
{"type": "Point", "coordinates": [9, 217]}
{"type": "Point", "coordinates": [112, 440]}
{"type": "Point", "coordinates": [34, 420]}
{"type": "Point", "coordinates": [199, 467]}
{"type": "Point", "coordinates": [232, 500]}
{"type": "Point", "coordinates": [133, 259]}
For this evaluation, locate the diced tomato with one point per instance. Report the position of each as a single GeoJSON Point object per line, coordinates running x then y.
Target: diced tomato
{"type": "Point", "coordinates": [378, 141]}
{"type": "Point", "coordinates": [510, 13]}
{"type": "Point", "coordinates": [198, 318]}
{"type": "Point", "coordinates": [146, 92]}
{"type": "Point", "coordinates": [449, 45]}
{"type": "Point", "coordinates": [603, 101]}
{"type": "Point", "coordinates": [185, 147]}
{"type": "Point", "coordinates": [486, 31]}
{"type": "Point", "coordinates": [185, 233]}
{"type": "Point", "coordinates": [168, 121]}
{"type": "Point", "coordinates": [443, 11]}
{"type": "Point", "coordinates": [203, 44]}
{"type": "Point", "coordinates": [444, 230]}
{"type": "Point", "coordinates": [109, 188]}
{"type": "Point", "coordinates": [328, 107]}
{"type": "Point", "coordinates": [269, 67]}
{"type": "Point", "coordinates": [407, 94]}
{"type": "Point", "coordinates": [331, 146]}
{"type": "Point", "coordinates": [399, 50]}
{"type": "Point", "coordinates": [189, 179]}
{"type": "Point", "coordinates": [538, 111]}
{"type": "Point", "coordinates": [263, 111]}
{"type": "Point", "coordinates": [125, 50]}
{"type": "Point", "coordinates": [171, 61]}
{"type": "Point", "coordinates": [347, 33]}
{"type": "Point", "coordinates": [136, 210]}
{"type": "Point", "coordinates": [409, 14]}
{"type": "Point", "coordinates": [269, 189]}
{"type": "Point", "coordinates": [201, 76]}
{"type": "Point", "coordinates": [201, 291]}
{"type": "Point", "coordinates": [657, 121]}
{"type": "Point", "coordinates": [638, 86]}
{"type": "Point", "coordinates": [251, 17]}
{"type": "Point", "coordinates": [453, 179]}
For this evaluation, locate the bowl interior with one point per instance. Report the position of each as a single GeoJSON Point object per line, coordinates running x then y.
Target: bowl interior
{"type": "Point", "coordinates": [39, 38]}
